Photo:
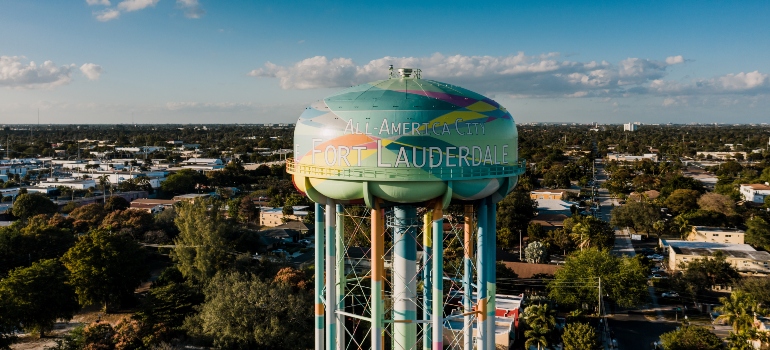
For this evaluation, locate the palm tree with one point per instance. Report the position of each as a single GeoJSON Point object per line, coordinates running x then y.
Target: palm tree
{"type": "Point", "coordinates": [539, 316]}
{"type": "Point", "coordinates": [537, 336]}
{"type": "Point", "coordinates": [104, 181]}
{"type": "Point", "coordinates": [738, 310]}
{"type": "Point", "coordinates": [740, 341]}
{"type": "Point", "coordinates": [582, 235]}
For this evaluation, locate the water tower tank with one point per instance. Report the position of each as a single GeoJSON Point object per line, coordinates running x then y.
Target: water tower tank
{"type": "Point", "coordinates": [405, 140]}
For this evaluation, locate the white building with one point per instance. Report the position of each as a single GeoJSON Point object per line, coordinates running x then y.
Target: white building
{"type": "Point", "coordinates": [630, 126]}
{"type": "Point", "coordinates": [755, 192]}
{"type": "Point", "coordinates": [75, 184]}
{"type": "Point", "coordinates": [629, 158]}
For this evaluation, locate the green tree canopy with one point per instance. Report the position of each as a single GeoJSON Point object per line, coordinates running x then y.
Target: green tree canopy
{"type": "Point", "coordinates": [691, 338]}
{"type": "Point", "coordinates": [758, 233]}
{"type": "Point", "coordinates": [682, 201]}
{"type": "Point", "coordinates": [738, 310]}
{"type": "Point", "coordinates": [105, 268]}
{"type": "Point", "coordinates": [183, 181]}
{"type": "Point", "coordinates": [28, 205]}
{"type": "Point", "coordinates": [201, 246]}
{"type": "Point", "coordinates": [588, 231]}
{"type": "Point", "coordinates": [242, 311]}
{"type": "Point", "coordinates": [639, 215]}
{"type": "Point", "coordinates": [579, 336]}
{"type": "Point", "coordinates": [700, 275]}
{"type": "Point", "coordinates": [116, 203]}
{"type": "Point", "coordinates": [515, 211]}
{"type": "Point", "coordinates": [40, 294]}
{"type": "Point", "coordinates": [623, 279]}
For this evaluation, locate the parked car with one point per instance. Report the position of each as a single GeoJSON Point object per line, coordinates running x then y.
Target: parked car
{"type": "Point", "coordinates": [670, 295]}
{"type": "Point", "coordinates": [304, 241]}
{"type": "Point", "coordinates": [655, 275]}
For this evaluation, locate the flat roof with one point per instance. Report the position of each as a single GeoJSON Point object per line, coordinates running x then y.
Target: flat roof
{"type": "Point", "coordinates": [716, 229]}
{"type": "Point", "coordinates": [677, 244]}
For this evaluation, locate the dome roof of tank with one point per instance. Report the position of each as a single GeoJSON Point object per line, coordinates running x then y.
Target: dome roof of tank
{"type": "Point", "coordinates": [407, 94]}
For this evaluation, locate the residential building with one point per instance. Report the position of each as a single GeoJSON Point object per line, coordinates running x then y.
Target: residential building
{"type": "Point", "coordinates": [152, 205]}
{"type": "Point", "coordinates": [630, 126]}
{"type": "Point", "coordinates": [742, 257]}
{"type": "Point", "coordinates": [755, 192]}
{"type": "Point", "coordinates": [630, 158]}
{"type": "Point", "coordinates": [75, 184]}
{"type": "Point", "coordinates": [716, 234]}
{"type": "Point", "coordinates": [272, 217]}
{"type": "Point", "coordinates": [548, 194]}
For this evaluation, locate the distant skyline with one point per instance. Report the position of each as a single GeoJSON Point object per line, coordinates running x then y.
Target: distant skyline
{"type": "Point", "coordinates": [198, 61]}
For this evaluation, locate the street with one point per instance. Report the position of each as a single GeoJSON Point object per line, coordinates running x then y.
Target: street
{"type": "Point", "coordinates": [633, 329]}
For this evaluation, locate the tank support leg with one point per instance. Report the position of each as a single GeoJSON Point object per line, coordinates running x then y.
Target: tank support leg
{"type": "Point", "coordinates": [341, 275]}
{"type": "Point", "coordinates": [467, 276]}
{"type": "Point", "coordinates": [378, 272]}
{"type": "Point", "coordinates": [319, 277]}
{"type": "Point", "coordinates": [404, 278]}
{"type": "Point", "coordinates": [438, 278]}
{"type": "Point", "coordinates": [491, 242]}
{"type": "Point", "coordinates": [482, 270]}
{"type": "Point", "coordinates": [331, 278]}
{"type": "Point", "coordinates": [427, 300]}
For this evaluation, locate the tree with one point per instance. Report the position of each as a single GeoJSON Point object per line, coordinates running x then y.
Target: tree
{"type": "Point", "coordinates": [201, 246]}
{"type": "Point", "coordinates": [681, 182]}
{"type": "Point", "coordinates": [132, 221]}
{"type": "Point", "coordinates": [641, 216]}
{"type": "Point", "coordinates": [623, 279]}
{"type": "Point", "coordinates": [690, 338]}
{"type": "Point", "coordinates": [535, 253]}
{"type": "Point", "coordinates": [247, 211]}
{"type": "Point", "coordinates": [88, 217]}
{"type": "Point", "coordinates": [758, 233]}
{"type": "Point", "coordinates": [741, 340]}
{"type": "Point", "coordinates": [539, 315]}
{"type": "Point", "coordinates": [104, 181]}
{"type": "Point", "coordinates": [738, 310]}
{"type": "Point", "coordinates": [588, 231]}
{"type": "Point", "coordinates": [105, 268]}
{"type": "Point", "coordinates": [170, 300]}
{"type": "Point", "coordinates": [717, 202]}
{"type": "Point", "coordinates": [700, 275]}
{"type": "Point", "coordinates": [116, 203]}
{"type": "Point", "coordinates": [28, 205]}
{"type": "Point", "coordinates": [515, 211]}
{"type": "Point", "coordinates": [757, 287]}
{"type": "Point", "coordinates": [682, 201]}
{"type": "Point", "coordinates": [41, 294]}
{"type": "Point", "coordinates": [184, 181]}
{"type": "Point", "coordinates": [535, 232]}
{"type": "Point", "coordinates": [579, 336]}
{"type": "Point", "coordinates": [506, 239]}
{"type": "Point", "coordinates": [537, 337]}
{"type": "Point", "coordinates": [269, 315]}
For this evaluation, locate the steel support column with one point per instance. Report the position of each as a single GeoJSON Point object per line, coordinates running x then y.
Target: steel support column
{"type": "Point", "coordinates": [467, 279]}
{"type": "Point", "coordinates": [404, 278]}
{"type": "Point", "coordinates": [437, 276]}
{"type": "Point", "coordinates": [340, 273]}
{"type": "Point", "coordinates": [427, 300]}
{"type": "Point", "coordinates": [378, 273]}
{"type": "Point", "coordinates": [491, 256]}
{"type": "Point", "coordinates": [331, 276]}
{"type": "Point", "coordinates": [319, 277]}
{"type": "Point", "coordinates": [482, 270]}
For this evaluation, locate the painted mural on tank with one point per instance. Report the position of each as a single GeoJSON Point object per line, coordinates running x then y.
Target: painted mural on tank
{"type": "Point", "coordinates": [406, 129]}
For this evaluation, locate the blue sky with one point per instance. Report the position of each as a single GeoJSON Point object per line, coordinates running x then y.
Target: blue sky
{"type": "Point", "coordinates": [188, 61]}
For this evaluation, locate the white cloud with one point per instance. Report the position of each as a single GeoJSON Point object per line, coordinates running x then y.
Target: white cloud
{"type": "Point", "coordinates": [191, 8]}
{"type": "Point", "coordinates": [136, 5]}
{"type": "Point", "coordinates": [517, 75]}
{"type": "Point", "coordinates": [91, 71]}
{"type": "Point", "coordinates": [15, 73]}
{"type": "Point", "coordinates": [743, 81]}
{"type": "Point", "coordinates": [107, 15]}
{"type": "Point", "coordinates": [671, 60]}
{"type": "Point", "coordinates": [520, 75]}
{"type": "Point", "coordinates": [98, 2]}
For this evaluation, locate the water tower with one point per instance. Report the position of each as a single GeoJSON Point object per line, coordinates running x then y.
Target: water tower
{"type": "Point", "coordinates": [395, 148]}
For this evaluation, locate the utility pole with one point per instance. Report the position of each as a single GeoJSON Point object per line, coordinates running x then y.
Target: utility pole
{"type": "Point", "coordinates": [520, 239]}
{"type": "Point", "coordinates": [600, 297]}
